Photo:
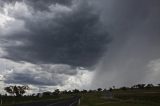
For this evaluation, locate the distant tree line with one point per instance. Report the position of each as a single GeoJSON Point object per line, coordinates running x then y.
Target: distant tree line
{"type": "Point", "coordinates": [21, 90]}
{"type": "Point", "coordinates": [141, 86]}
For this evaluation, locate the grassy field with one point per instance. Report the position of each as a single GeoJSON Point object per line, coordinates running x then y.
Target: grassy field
{"type": "Point", "coordinates": [129, 97]}
{"type": "Point", "coordinates": [10, 100]}
{"type": "Point", "coordinates": [123, 98]}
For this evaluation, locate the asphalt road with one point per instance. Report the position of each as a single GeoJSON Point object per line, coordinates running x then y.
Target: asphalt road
{"type": "Point", "coordinates": [69, 102]}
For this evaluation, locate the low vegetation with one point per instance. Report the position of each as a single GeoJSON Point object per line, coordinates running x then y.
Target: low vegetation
{"type": "Point", "coordinates": [137, 95]}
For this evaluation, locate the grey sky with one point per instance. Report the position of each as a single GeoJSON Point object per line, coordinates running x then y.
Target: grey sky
{"type": "Point", "coordinates": [110, 42]}
{"type": "Point", "coordinates": [135, 25]}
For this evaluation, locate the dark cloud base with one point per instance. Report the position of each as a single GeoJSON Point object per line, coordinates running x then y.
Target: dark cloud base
{"type": "Point", "coordinates": [76, 38]}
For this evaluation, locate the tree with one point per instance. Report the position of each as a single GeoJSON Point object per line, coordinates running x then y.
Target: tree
{"type": "Point", "coordinates": [91, 91]}
{"type": "Point", "coordinates": [123, 88]}
{"type": "Point", "coordinates": [65, 92]}
{"type": "Point", "coordinates": [141, 86]}
{"type": "Point", "coordinates": [110, 89]}
{"type": "Point", "coordinates": [75, 91]}
{"type": "Point", "coordinates": [99, 89]}
{"type": "Point", "coordinates": [9, 90]}
{"type": "Point", "coordinates": [134, 86]}
{"type": "Point", "coordinates": [105, 90]}
{"type": "Point", "coordinates": [69, 92]}
{"type": "Point", "coordinates": [16, 90]}
{"type": "Point", "coordinates": [84, 91]}
{"type": "Point", "coordinates": [47, 93]}
{"type": "Point", "coordinates": [149, 86]}
{"type": "Point", "coordinates": [56, 92]}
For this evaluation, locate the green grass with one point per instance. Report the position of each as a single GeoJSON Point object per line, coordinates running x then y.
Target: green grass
{"type": "Point", "coordinates": [123, 98]}
{"type": "Point", "coordinates": [135, 97]}
{"type": "Point", "coordinates": [9, 100]}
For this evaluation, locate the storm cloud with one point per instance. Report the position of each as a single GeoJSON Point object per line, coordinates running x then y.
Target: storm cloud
{"type": "Point", "coordinates": [135, 27]}
{"type": "Point", "coordinates": [66, 34]}
{"type": "Point", "coordinates": [76, 42]}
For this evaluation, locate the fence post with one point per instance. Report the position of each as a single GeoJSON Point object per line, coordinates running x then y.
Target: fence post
{"type": "Point", "coordinates": [79, 102]}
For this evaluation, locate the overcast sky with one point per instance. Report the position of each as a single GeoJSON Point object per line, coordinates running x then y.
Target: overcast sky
{"type": "Point", "coordinates": [83, 44]}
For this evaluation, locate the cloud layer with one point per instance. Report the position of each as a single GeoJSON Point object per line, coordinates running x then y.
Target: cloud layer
{"type": "Point", "coordinates": [62, 38]}
{"type": "Point", "coordinates": [72, 35]}
{"type": "Point", "coordinates": [49, 77]}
